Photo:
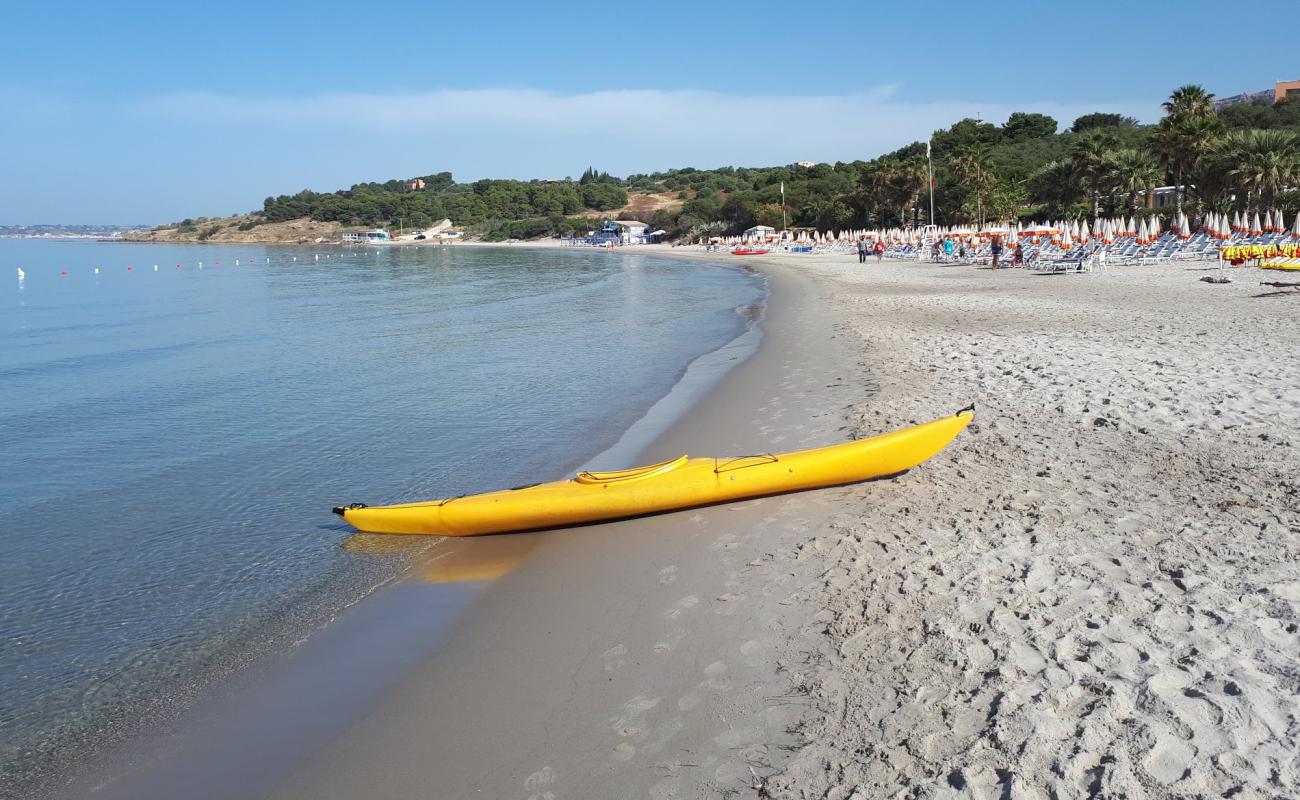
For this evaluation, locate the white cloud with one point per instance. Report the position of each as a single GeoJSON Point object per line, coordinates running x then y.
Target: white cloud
{"type": "Point", "coordinates": [624, 130]}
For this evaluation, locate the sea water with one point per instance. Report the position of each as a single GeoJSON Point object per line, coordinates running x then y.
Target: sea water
{"type": "Point", "coordinates": [177, 421]}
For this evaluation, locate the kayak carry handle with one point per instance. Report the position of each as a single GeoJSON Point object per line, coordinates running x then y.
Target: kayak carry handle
{"type": "Point", "coordinates": [970, 408]}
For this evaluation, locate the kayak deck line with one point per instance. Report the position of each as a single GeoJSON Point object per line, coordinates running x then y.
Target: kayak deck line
{"type": "Point", "coordinates": [676, 484]}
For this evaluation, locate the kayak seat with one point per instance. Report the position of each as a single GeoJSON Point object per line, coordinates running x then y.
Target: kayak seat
{"type": "Point", "coordinates": [629, 475]}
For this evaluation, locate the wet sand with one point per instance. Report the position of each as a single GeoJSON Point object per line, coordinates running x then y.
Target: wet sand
{"type": "Point", "coordinates": [646, 657]}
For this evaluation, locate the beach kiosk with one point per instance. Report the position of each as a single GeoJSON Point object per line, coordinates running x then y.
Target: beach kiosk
{"type": "Point", "coordinates": [626, 231]}
{"type": "Point", "coordinates": [759, 233]}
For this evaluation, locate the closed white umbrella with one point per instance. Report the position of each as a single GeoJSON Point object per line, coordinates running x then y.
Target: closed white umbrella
{"type": "Point", "coordinates": [1256, 229]}
{"type": "Point", "coordinates": [1295, 229]}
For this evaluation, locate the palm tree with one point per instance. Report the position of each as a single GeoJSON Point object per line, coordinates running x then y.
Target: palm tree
{"type": "Point", "coordinates": [1055, 184]}
{"type": "Point", "coordinates": [1131, 172]}
{"type": "Point", "coordinates": [907, 180]}
{"type": "Point", "coordinates": [1089, 157]}
{"type": "Point", "coordinates": [1190, 100]}
{"type": "Point", "coordinates": [874, 186]}
{"type": "Point", "coordinates": [1181, 143]}
{"type": "Point", "coordinates": [1261, 162]}
{"type": "Point", "coordinates": [975, 169]}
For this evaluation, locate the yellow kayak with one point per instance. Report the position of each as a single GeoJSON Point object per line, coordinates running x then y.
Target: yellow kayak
{"type": "Point", "coordinates": [680, 483]}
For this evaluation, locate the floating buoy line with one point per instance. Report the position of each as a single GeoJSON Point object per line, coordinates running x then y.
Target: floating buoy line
{"type": "Point", "coordinates": [266, 261]}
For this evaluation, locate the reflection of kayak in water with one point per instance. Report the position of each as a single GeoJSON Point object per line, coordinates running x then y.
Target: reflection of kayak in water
{"type": "Point", "coordinates": [680, 483]}
{"type": "Point", "coordinates": [455, 561]}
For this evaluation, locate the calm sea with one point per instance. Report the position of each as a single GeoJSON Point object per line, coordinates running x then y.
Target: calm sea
{"type": "Point", "coordinates": [172, 438]}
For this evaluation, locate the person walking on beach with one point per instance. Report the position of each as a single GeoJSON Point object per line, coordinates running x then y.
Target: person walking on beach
{"type": "Point", "coordinates": [862, 249]}
{"type": "Point", "coordinates": [997, 250]}
{"type": "Point", "coordinates": [947, 248]}
{"type": "Point", "coordinates": [1018, 256]}
{"type": "Point", "coordinates": [880, 251]}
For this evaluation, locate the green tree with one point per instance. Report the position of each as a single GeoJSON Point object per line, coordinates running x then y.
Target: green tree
{"type": "Point", "coordinates": [1131, 173]}
{"type": "Point", "coordinates": [1021, 126]}
{"type": "Point", "coordinates": [1190, 100]}
{"type": "Point", "coordinates": [1260, 162]}
{"type": "Point", "coordinates": [1089, 159]}
{"type": "Point", "coordinates": [1181, 143]}
{"type": "Point", "coordinates": [974, 168]}
{"type": "Point", "coordinates": [1102, 120]}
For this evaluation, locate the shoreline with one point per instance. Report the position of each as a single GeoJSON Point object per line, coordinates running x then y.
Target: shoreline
{"type": "Point", "coordinates": [615, 650]}
{"type": "Point", "coordinates": [133, 779]}
{"type": "Point", "coordinates": [242, 674]}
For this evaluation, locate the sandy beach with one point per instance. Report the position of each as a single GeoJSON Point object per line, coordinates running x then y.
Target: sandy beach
{"type": "Point", "coordinates": [1096, 592]}
{"type": "Point", "coordinates": [1092, 592]}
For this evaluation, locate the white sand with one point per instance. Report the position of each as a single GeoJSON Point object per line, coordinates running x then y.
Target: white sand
{"type": "Point", "coordinates": [1096, 590]}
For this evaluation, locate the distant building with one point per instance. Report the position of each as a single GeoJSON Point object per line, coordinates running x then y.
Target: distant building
{"type": "Point", "coordinates": [1286, 90]}
{"type": "Point", "coordinates": [804, 164]}
{"type": "Point", "coordinates": [367, 236]}
{"type": "Point", "coordinates": [415, 185]}
{"type": "Point", "coordinates": [760, 232]}
{"type": "Point", "coordinates": [627, 231]}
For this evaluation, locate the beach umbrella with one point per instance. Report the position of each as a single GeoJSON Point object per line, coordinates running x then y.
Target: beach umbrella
{"type": "Point", "coordinates": [1295, 229]}
{"type": "Point", "coordinates": [1142, 232]}
{"type": "Point", "coordinates": [1279, 222]}
{"type": "Point", "coordinates": [1255, 228]}
{"type": "Point", "coordinates": [1225, 231]}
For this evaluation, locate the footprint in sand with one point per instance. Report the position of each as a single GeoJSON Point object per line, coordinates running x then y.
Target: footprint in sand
{"type": "Point", "coordinates": [613, 657]}
{"type": "Point", "coordinates": [675, 610]}
{"type": "Point", "coordinates": [668, 574]}
{"type": "Point", "coordinates": [668, 644]}
{"type": "Point", "coordinates": [537, 783]}
{"type": "Point", "coordinates": [630, 723]}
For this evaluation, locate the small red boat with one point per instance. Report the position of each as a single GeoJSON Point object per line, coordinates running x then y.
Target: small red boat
{"type": "Point", "coordinates": [749, 251]}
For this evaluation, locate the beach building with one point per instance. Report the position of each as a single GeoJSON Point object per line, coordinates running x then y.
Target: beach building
{"type": "Point", "coordinates": [627, 231]}
{"type": "Point", "coordinates": [759, 232]}
{"type": "Point", "coordinates": [371, 236]}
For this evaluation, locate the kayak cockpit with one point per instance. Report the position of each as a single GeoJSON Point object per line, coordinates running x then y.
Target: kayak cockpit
{"type": "Point", "coordinates": [629, 475]}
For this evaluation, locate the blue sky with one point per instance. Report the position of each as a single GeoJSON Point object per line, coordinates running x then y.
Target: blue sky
{"type": "Point", "coordinates": [146, 112]}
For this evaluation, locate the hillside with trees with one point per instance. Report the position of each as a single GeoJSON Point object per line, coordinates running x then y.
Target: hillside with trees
{"type": "Point", "coordinates": [1244, 157]}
